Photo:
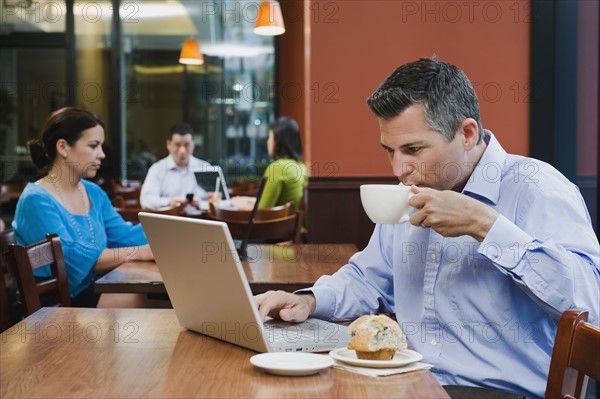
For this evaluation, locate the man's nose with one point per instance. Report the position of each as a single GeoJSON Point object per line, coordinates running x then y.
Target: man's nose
{"type": "Point", "coordinates": [402, 167]}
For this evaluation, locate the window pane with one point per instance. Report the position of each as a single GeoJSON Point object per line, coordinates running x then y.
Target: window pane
{"type": "Point", "coordinates": [33, 85]}
{"type": "Point", "coordinates": [228, 100]}
{"type": "Point", "coordinates": [33, 16]}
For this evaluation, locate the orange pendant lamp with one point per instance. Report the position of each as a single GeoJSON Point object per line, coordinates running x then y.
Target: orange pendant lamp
{"type": "Point", "coordinates": [269, 21]}
{"type": "Point", "coordinates": [190, 53]}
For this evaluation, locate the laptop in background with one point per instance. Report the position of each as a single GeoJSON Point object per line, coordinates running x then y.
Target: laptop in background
{"type": "Point", "coordinates": [210, 293]}
{"type": "Point", "coordinates": [207, 180]}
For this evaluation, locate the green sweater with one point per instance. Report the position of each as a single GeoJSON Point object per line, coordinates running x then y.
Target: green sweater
{"type": "Point", "coordinates": [286, 179]}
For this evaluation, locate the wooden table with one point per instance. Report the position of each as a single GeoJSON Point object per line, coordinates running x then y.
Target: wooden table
{"type": "Point", "coordinates": [268, 267]}
{"type": "Point", "coordinates": [133, 353]}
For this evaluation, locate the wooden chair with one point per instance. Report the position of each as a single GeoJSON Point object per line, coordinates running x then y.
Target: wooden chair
{"type": "Point", "coordinates": [7, 237]}
{"type": "Point", "coordinates": [131, 214]}
{"type": "Point", "coordinates": [127, 195]}
{"type": "Point", "coordinates": [130, 197]}
{"type": "Point", "coordinates": [4, 306]}
{"type": "Point", "coordinates": [274, 230]}
{"type": "Point", "coordinates": [24, 260]}
{"type": "Point", "coordinates": [576, 355]}
{"type": "Point", "coordinates": [11, 191]}
{"type": "Point", "coordinates": [276, 212]}
{"type": "Point", "coordinates": [245, 188]}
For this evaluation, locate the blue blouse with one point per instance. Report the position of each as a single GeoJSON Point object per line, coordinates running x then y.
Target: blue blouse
{"type": "Point", "coordinates": [83, 238]}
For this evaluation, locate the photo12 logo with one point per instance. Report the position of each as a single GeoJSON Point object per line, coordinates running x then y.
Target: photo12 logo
{"type": "Point", "coordinates": [73, 332]}
{"type": "Point", "coordinates": [466, 11]}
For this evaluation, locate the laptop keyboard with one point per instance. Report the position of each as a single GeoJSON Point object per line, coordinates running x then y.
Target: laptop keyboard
{"type": "Point", "coordinates": [281, 331]}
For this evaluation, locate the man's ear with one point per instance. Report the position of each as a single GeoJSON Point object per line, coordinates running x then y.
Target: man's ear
{"type": "Point", "coordinates": [470, 133]}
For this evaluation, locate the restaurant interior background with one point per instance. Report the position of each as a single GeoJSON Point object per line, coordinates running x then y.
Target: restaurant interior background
{"type": "Point", "coordinates": [534, 65]}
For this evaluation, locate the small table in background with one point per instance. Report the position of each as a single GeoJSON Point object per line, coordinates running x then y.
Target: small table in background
{"type": "Point", "coordinates": [268, 267]}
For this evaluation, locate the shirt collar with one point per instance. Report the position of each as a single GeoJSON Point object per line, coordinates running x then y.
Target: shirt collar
{"type": "Point", "coordinates": [486, 177]}
{"type": "Point", "coordinates": [171, 165]}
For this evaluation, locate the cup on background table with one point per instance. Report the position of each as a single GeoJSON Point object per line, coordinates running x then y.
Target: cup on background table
{"type": "Point", "coordinates": [213, 197]}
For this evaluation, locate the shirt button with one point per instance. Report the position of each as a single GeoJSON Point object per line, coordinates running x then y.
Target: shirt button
{"type": "Point", "coordinates": [434, 257]}
{"type": "Point", "coordinates": [539, 287]}
{"type": "Point", "coordinates": [433, 342]}
{"type": "Point", "coordinates": [429, 301]}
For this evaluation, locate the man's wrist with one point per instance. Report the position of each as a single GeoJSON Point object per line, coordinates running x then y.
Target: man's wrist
{"type": "Point", "coordinates": [310, 300]}
{"type": "Point", "coordinates": [485, 222]}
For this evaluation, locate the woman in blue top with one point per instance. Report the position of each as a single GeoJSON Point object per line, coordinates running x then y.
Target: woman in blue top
{"type": "Point", "coordinates": [94, 237]}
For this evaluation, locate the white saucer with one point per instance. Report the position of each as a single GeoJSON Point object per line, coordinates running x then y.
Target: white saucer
{"type": "Point", "coordinates": [291, 363]}
{"type": "Point", "coordinates": [401, 358]}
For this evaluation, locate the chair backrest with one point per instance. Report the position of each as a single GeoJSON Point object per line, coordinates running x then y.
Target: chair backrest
{"type": "Point", "coordinates": [282, 229]}
{"type": "Point", "coordinates": [575, 356]}
{"type": "Point", "coordinates": [24, 260]}
{"type": "Point", "coordinates": [7, 237]}
{"type": "Point", "coordinates": [128, 195]}
{"type": "Point", "coordinates": [4, 306]}
{"type": "Point", "coordinates": [244, 188]}
{"type": "Point", "coordinates": [131, 214]}
{"type": "Point", "coordinates": [11, 191]}
{"type": "Point", "coordinates": [276, 212]}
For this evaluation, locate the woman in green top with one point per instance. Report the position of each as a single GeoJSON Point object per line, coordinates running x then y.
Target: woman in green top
{"type": "Point", "coordinates": [287, 175]}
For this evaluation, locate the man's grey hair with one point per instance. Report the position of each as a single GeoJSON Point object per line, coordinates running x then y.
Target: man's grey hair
{"type": "Point", "coordinates": [444, 90]}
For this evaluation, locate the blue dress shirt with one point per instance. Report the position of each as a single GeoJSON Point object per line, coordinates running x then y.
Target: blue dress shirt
{"type": "Point", "coordinates": [38, 213]}
{"type": "Point", "coordinates": [483, 313]}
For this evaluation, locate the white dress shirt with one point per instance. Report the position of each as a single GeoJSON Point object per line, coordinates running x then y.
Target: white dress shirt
{"type": "Point", "coordinates": [165, 180]}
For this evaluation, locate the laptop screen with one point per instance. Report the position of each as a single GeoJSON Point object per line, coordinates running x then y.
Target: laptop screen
{"type": "Point", "coordinates": [207, 180]}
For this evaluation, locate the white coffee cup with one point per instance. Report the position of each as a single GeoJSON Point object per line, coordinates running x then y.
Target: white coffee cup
{"type": "Point", "coordinates": [386, 203]}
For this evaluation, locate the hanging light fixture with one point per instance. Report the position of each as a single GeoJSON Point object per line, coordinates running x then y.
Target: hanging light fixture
{"type": "Point", "coordinates": [190, 53]}
{"type": "Point", "coordinates": [269, 21]}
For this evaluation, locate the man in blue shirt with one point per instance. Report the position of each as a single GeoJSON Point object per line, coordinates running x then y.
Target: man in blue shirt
{"type": "Point", "coordinates": [497, 248]}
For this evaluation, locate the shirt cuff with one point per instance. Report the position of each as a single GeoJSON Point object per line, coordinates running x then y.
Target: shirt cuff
{"type": "Point", "coordinates": [506, 244]}
{"type": "Point", "coordinates": [325, 302]}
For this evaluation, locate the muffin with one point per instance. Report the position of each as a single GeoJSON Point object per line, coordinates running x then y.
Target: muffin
{"type": "Point", "coordinates": [376, 337]}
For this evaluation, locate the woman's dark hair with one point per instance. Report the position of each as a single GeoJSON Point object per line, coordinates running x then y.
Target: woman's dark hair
{"type": "Point", "coordinates": [287, 138]}
{"type": "Point", "coordinates": [66, 123]}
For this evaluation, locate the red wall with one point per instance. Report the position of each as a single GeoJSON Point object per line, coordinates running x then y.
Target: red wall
{"type": "Point", "coordinates": [338, 52]}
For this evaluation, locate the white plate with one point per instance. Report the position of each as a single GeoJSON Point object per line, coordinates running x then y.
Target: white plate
{"type": "Point", "coordinates": [401, 358]}
{"type": "Point", "coordinates": [291, 363]}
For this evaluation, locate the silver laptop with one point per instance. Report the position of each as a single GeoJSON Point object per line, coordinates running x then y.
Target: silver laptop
{"type": "Point", "coordinates": [210, 293]}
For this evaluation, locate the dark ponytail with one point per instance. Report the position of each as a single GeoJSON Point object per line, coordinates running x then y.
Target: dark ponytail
{"type": "Point", "coordinates": [38, 154]}
{"type": "Point", "coordinates": [67, 123]}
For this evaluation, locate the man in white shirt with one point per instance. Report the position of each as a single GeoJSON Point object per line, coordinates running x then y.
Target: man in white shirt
{"type": "Point", "coordinates": [170, 180]}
